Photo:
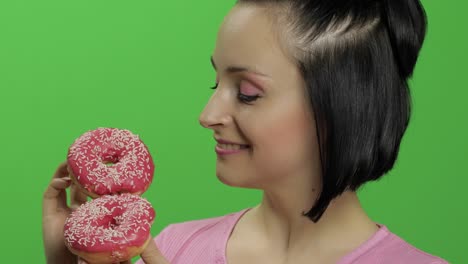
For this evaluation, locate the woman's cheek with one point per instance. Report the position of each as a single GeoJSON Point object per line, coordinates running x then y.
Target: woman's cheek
{"type": "Point", "coordinates": [279, 137]}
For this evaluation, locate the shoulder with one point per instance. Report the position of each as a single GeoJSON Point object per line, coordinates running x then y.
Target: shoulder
{"type": "Point", "coordinates": [409, 253]}
{"type": "Point", "coordinates": [394, 249]}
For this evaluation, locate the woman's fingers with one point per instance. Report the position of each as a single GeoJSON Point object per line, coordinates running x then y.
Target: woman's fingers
{"type": "Point", "coordinates": [82, 261]}
{"type": "Point", "coordinates": [53, 190]}
{"type": "Point", "coordinates": [77, 197]}
{"type": "Point", "coordinates": [152, 255]}
{"type": "Point", "coordinates": [55, 195]}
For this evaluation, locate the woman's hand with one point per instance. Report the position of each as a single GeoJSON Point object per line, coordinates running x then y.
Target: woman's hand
{"type": "Point", "coordinates": [54, 213]}
{"type": "Point", "coordinates": [152, 255]}
{"type": "Point", "coordinates": [82, 261]}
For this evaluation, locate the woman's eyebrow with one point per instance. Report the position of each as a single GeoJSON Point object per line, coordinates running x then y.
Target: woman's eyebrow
{"type": "Point", "coordinates": [234, 69]}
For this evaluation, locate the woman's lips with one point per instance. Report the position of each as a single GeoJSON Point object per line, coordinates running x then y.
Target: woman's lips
{"type": "Point", "coordinates": [223, 151]}
{"type": "Point", "coordinates": [223, 141]}
{"type": "Point", "coordinates": [225, 147]}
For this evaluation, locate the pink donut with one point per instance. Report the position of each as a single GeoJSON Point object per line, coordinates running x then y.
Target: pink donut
{"type": "Point", "coordinates": [110, 229]}
{"type": "Point", "coordinates": [109, 161]}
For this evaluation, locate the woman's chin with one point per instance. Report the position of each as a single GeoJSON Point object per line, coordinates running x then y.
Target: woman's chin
{"type": "Point", "coordinates": [233, 181]}
{"type": "Point", "coordinates": [225, 180]}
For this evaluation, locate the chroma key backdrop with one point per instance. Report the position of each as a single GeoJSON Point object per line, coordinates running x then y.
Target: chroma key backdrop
{"type": "Point", "coordinates": [67, 67]}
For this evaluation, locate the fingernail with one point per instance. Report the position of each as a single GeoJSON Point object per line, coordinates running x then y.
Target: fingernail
{"type": "Point", "coordinates": [66, 178]}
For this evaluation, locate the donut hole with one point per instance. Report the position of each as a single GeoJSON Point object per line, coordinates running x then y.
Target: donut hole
{"type": "Point", "coordinates": [115, 222]}
{"type": "Point", "coordinates": [109, 163]}
{"type": "Point", "coordinates": [110, 160]}
{"type": "Point", "coordinates": [112, 223]}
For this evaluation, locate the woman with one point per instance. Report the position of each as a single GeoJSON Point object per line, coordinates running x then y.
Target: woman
{"type": "Point", "coordinates": [311, 101]}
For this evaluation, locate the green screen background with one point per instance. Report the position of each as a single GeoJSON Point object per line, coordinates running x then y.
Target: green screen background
{"type": "Point", "coordinates": [70, 66]}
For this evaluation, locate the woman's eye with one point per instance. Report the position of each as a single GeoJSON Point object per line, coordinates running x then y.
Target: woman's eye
{"type": "Point", "coordinates": [242, 97]}
{"type": "Point", "coordinates": [247, 98]}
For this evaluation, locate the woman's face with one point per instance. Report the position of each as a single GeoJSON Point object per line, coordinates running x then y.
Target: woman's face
{"type": "Point", "coordinates": [278, 125]}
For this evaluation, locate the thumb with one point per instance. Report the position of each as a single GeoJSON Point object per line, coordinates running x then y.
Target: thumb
{"type": "Point", "coordinates": [152, 255]}
{"type": "Point", "coordinates": [82, 261]}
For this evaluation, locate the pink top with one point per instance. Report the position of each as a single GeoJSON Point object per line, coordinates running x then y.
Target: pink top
{"type": "Point", "coordinates": [204, 242]}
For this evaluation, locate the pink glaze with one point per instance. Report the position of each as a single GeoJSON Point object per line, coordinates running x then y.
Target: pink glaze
{"type": "Point", "coordinates": [133, 166]}
{"type": "Point", "coordinates": [110, 223]}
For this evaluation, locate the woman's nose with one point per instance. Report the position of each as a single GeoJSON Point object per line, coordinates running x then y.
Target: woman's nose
{"type": "Point", "coordinates": [212, 119]}
{"type": "Point", "coordinates": [216, 113]}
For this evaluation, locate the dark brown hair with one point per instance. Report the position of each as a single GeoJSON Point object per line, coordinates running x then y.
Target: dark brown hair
{"type": "Point", "coordinates": [356, 57]}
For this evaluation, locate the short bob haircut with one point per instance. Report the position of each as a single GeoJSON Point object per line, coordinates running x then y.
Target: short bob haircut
{"type": "Point", "coordinates": [356, 57]}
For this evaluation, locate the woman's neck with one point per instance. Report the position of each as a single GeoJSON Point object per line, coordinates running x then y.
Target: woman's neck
{"type": "Point", "coordinates": [343, 226]}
